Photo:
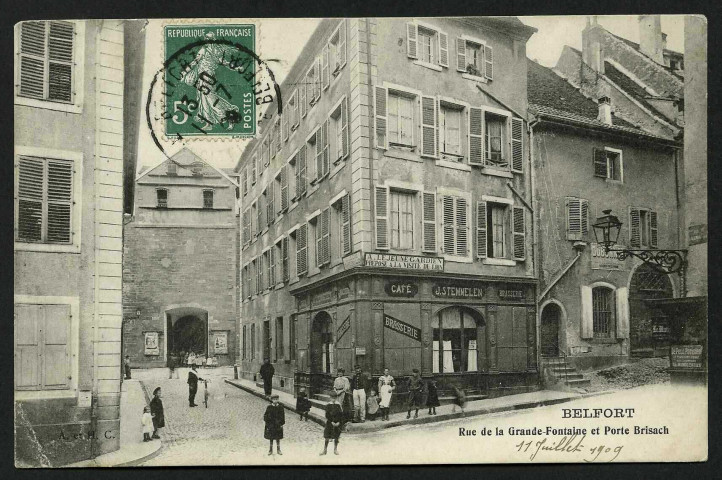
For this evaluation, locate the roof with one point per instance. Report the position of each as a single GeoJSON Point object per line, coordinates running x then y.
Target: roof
{"type": "Point", "coordinates": [665, 51]}
{"type": "Point", "coordinates": [631, 87]}
{"type": "Point", "coordinates": [185, 158]}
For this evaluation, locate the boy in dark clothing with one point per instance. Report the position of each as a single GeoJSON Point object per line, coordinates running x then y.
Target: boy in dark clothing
{"type": "Point", "coordinates": [193, 386]}
{"type": "Point", "coordinates": [156, 411]}
{"type": "Point", "coordinates": [432, 398]}
{"type": "Point", "coordinates": [275, 418]}
{"type": "Point", "coordinates": [303, 405]}
{"type": "Point", "coordinates": [416, 392]}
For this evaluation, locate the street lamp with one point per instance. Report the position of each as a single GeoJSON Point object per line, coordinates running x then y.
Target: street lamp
{"type": "Point", "coordinates": [606, 233]}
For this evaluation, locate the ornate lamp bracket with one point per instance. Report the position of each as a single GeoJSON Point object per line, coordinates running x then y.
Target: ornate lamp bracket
{"type": "Point", "coordinates": [663, 261]}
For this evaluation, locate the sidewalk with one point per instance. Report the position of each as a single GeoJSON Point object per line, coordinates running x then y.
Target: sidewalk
{"type": "Point", "coordinates": [474, 408]}
{"type": "Point", "coordinates": [133, 450]}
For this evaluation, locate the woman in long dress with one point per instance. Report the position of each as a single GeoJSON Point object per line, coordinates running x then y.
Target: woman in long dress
{"type": "Point", "coordinates": [387, 384]}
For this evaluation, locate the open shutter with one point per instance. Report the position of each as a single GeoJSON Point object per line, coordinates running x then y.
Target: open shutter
{"type": "Point", "coordinates": [344, 128]}
{"type": "Point", "coordinates": [587, 326]}
{"type": "Point", "coordinates": [272, 267]}
{"type": "Point", "coordinates": [317, 79]}
{"type": "Point", "coordinates": [428, 126]}
{"type": "Point", "coordinates": [517, 145]}
{"type": "Point", "coordinates": [319, 153]}
{"type": "Point", "coordinates": [429, 222]}
{"type": "Point", "coordinates": [462, 227]}
{"type": "Point", "coordinates": [346, 223]}
{"type": "Point", "coordinates": [519, 232]}
{"type": "Point", "coordinates": [284, 187]}
{"type": "Point", "coordinates": [270, 203]}
{"type": "Point", "coordinates": [481, 229]}
{"type": "Point", "coordinates": [584, 218]}
{"type": "Point", "coordinates": [600, 163]}
{"type": "Point", "coordinates": [302, 98]}
{"type": "Point", "coordinates": [302, 249]}
{"type": "Point", "coordinates": [326, 147]}
{"type": "Point", "coordinates": [460, 54]}
{"type": "Point", "coordinates": [32, 59]}
{"type": "Point", "coordinates": [382, 218]}
{"type": "Point", "coordinates": [301, 171]}
{"type": "Point", "coordinates": [443, 49]}
{"type": "Point", "coordinates": [28, 319]}
{"type": "Point", "coordinates": [294, 111]}
{"type": "Point", "coordinates": [254, 165]}
{"type": "Point", "coordinates": [622, 300]}
{"type": "Point", "coordinates": [259, 213]}
{"type": "Point", "coordinates": [381, 100]}
{"type": "Point", "coordinates": [326, 235]}
{"type": "Point", "coordinates": [574, 228]}
{"type": "Point", "coordinates": [56, 347]}
{"type": "Point", "coordinates": [325, 77]}
{"type": "Point", "coordinates": [634, 228]}
{"type": "Point", "coordinates": [30, 198]}
{"type": "Point", "coordinates": [476, 136]}
{"type": "Point", "coordinates": [341, 53]}
{"type": "Point", "coordinates": [284, 253]}
{"type": "Point", "coordinates": [488, 62]}
{"type": "Point", "coordinates": [412, 34]}
{"type": "Point", "coordinates": [653, 229]}
{"type": "Point", "coordinates": [447, 218]}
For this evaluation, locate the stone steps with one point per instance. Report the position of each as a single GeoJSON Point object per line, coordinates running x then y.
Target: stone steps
{"type": "Point", "coordinates": [564, 371]}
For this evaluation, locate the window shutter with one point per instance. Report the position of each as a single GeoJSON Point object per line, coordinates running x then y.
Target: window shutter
{"type": "Point", "coordinates": [346, 223]}
{"type": "Point", "coordinates": [284, 122]}
{"type": "Point", "coordinates": [284, 253]}
{"type": "Point", "coordinates": [325, 77]}
{"type": "Point", "coordinates": [319, 152]}
{"type": "Point", "coordinates": [574, 222]}
{"type": "Point", "coordinates": [462, 227]}
{"type": "Point", "coordinates": [447, 218]}
{"type": "Point", "coordinates": [28, 319]}
{"type": "Point", "coordinates": [32, 59]}
{"type": "Point", "coordinates": [270, 201]}
{"type": "Point", "coordinates": [244, 181]}
{"type": "Point", "coordinates": [302, 98]}
{"type": "Point", "coordinates": [56, 347]}
{"type": "Point", "coordinates": [634, 228]}
{"type": "Point", "coordinates": [326, 235]}
{"type": "Point", "coordinates": [412, 34]}
{"type": "Point", "coordinates": [488, 62]}
{"type": "Point", "coordinates": [253, 168]}
{"type": "Point", "coordinates": [382, 218]}
{"type": "Point", "coordinates": [460, 54]}
{"type": "Point", "coordinates": [429, 222]}
{"type": "Point", "coordinates": [30, 198]}
{"type": "Point", "coordinates": [317, 79]}
{"type": "Point", "coordinates": [326, 144]}
{"type": "Point", "coordinates": [443, 49]}
{"type": "Point", "coordinates": [600, 163]}
{"type": "Point", "coordinates": [622, 298]}
{"type": "Point", "coordinates": [302, 249]}
{"type": "Point", "coordinates": [517, 145]}
{"type": "Point", "coordinates": [341, 54]}
{"type": "Point", "coordinates": [284, 187]}
{"type": "Point", "coordinates": [344, 128]}
{"type": "Point", "coordinates": [294, 111]}
{"type": "Point", "coordinates": [584, 217]}
{"type": "Point", "coordinates": [301, 171]}
{"type": "Point", "coordinates": [653, 229]}
{"type": "Point", "coordinates": [381, 98]}
{"type": "Point", "coordinates": [519, 232]}
{"type": "Point", "coordinates": [476, 136]}
{"type": "Point", "coordinates": [259, 214]}
{"type": "Point", "coordinates": [272, 267]}
{"type": "Point", "coordinates": [587, 326]}
{"type": "Point", "coordinates": [246, 228]}
{"type": "Point", "coordinates": [277, 138]}
{"type": "Point", "coordinates": [319, 240]}
{"type": "Point", "coordinates": [481, 229]}
{"type": "Point", "coordinates": [428, 126]}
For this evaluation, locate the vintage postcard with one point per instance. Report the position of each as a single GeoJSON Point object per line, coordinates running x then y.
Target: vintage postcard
{"type": "Point", "coordinates": [334, 241]}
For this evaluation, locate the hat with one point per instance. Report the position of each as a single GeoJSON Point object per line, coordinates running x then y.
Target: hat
{"type": "Point", "coordinates": [156, 390]}
{"type": "Point", "coordinates": [274, 396]}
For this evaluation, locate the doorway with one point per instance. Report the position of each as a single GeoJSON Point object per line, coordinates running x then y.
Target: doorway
{"type": "Point", "coordinates": [549, 330]}
{"type": "Point", "coordinates": [649, 329]}
{"type": "Point", "coordinates": [186, 332]}
{"type": "Point", "coordinates": [321, 344]}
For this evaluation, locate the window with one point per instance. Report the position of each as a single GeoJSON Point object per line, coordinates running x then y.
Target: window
{"type": "Point", "coordinates": [262, 277]}
{"type": "Point", "coordinates": [474, 58]}
{"type": "Point", "coordinates": [313, 83]}
{"type": "Point", "coordinates": [427, 45]}
{"type": "Point", "coordinates": [500, 230]}
{"type": "Point", "coordinates": [337, 49]}
{"type": "Point", "coordinates": [302, 250]}
{"type": "Point", "coordinates": [246, 282]}
{"type": "Point", "coordinates": [300, 172]}
{"type": "Point", "coordinates": [318, 144]}
{"type": "Point", "coordinates": [338, 132]}
{"type": "Point", "coordinates": [293, 111]}
{"type": "Point", "coordinates": [643, 231]}
{"type": "Point", "coordinates": [172, 168]}
{"type": "Point", "coordinates": [269, 196]}
{"type": "Point", "coordinates": [207, 198]}
{"type": "Point", "coordinates": [244, 351]}
{"type": "Point", "coordinates": [280, 353]}
{"type": "Point", "coordinates": [602, 311]}
{"type": "Point", "coordinates": [402, 220]}
{"type": "Point", "coordinates": [400, 119]}
{"type": "Point", "coordinates": [454, 342]}
{"type": "Point", "coordinates": [247, 226]}
{"type": "Point", "coordinates": [46, 64]}
{"type": "Point", "coordinates": [577, 218]}
{"type": "Point", "coordinates": [495, 140]}
{"type": "Point", "coordinates": [272, 279]}
{"type": "Point", "coordinates": [285, 263]}
{"type": "Point", "coordinates": [450, 131]}
{"type": "Point", "coordinates": [253, 341]}
{"type": "Point", "coordinates": [161, 195]}
{"type": "Point", "coordinates": [323, 238]}
{"type": "Point", "coordinates": [608, 164]}
{"type": "Point", "coordinates": [44, 200]}
{"type": "Point", "coordinates": [455, 211]}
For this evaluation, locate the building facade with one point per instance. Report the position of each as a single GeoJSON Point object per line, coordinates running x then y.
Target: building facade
{"type": "Point", "coordinates": [69, 146]}
{"type": "Point", "coordinates": [386, 222]}
{"type": "Point", "coordinates": [180, 264]}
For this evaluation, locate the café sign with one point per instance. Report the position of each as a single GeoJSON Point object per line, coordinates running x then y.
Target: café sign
{"type": "Point", "coordinates": [457, 291]}
{"type": "Point", "coordinates": [401, 289]}
{"type": "Point", "coordinates": [404, 262]}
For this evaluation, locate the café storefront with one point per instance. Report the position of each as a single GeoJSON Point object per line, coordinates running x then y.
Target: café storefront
{"type": "Point", "coordinates": [472, 331]}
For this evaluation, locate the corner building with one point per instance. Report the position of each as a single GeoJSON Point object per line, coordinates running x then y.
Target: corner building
{"type": "Point", "coordinates": [386, 212]}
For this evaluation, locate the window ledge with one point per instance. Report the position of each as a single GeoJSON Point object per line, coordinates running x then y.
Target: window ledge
{"type": "Point", "coordinates": [475, 78]}
{"type": "Point", "coordinates": [605, 340]}
{"type": "Point", "coordinates": [454, 258]}
{"type": "Point", "coordinates": [454, 165]}
{"type": "Point", "coordinates": [337, 169]}
{"type": "Point", "coordinates": [612, 181]}
{"type": "Point", "coordinates": [402, 155]}
{"type": "Point", "coordinates": [428, 65]}
{"type": "Point", "coordinates": [46, 247]}
{"type": "Point", "coordinates": [48, 105]}
{"type": "Point", "coordinates": [499, 261]}
{"type": "Point", "coordinates": [496, 172]}
{"type": "Point", "coordinates": [30, 395]}
{"type": "Point", "coordinates": [293, 206]}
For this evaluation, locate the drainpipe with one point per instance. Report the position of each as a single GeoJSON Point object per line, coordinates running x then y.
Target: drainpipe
{"type": "Point", "coordinates": [534, 258]}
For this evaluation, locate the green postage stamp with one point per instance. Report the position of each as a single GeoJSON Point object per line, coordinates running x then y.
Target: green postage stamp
{"type": "Point", "coordinates": [209, 80]}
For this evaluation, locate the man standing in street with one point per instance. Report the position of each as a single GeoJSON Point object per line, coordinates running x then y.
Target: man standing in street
{"type": "Point", "coordinates": [193, 386]}
{"type": "Point", "coordinates": [126, 367]}
{"type": "Point", "coordinates": [359, 384]}
{"type": "Point", "coordinates": [266, 373]}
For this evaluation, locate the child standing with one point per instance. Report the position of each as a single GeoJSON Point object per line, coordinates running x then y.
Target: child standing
{"type": "Point", "coordinates": [432, 398]}
{"type": "Point", "coordinates": [303, 405]}
{"type": "Point", "coordinates": [147, 422]}
{"type": "Point", "coordinates": [372, 405]}
{"type": "Point", "coordinates": [334, 422]}
{"type": "Point", "coordinates": [459, 398]}
{"type": "Point", "coordinates": [275, 418]}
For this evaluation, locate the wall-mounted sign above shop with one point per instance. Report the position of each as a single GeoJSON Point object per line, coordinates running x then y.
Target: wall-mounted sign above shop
{"type": "Point", "coordinates": [511, 293]}
{"type": "Point", "coordinates": [457, 291]}
{"type": "Point", "coordinates": [602, 260]}
{"type": "Point", "coordinates": [402, 327]}
{"type": "Point", "coordinates": [404, 262]}
{"type": "Point", "coordinates": [343, 328]}
{"type": "Point", "coordinates": [401, 288]}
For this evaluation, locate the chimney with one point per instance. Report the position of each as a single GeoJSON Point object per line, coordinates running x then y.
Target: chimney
{"type": "Point", "coordinates": [651, 40]}
{"type": "Point", "coordinates": [605, 110]}
{"type": "Point", "coordinates": [592, 52]}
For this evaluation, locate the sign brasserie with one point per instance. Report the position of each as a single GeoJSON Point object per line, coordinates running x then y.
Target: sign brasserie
{"type": "Point", "coordinates": [457, 291]}
{"type": "Point", "coordinates": [343, 328]}
{"type": "Point", "coordinates": [402, 327]}
{"type": "Point", "coordinates": [404, 262]}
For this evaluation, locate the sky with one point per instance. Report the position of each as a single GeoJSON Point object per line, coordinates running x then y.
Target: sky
{"type": "Point", "coordinates": [283, 39]}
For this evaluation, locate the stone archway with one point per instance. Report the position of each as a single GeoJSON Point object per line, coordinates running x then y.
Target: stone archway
{"type": "Point", "coordinates": [321, 343]}
{"type": "Point", "coordinates": [186, 331]}
{"type": "Point", "coordinates": [648, 326]}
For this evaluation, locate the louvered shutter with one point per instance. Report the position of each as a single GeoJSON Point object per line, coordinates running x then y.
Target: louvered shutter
{"type": "Point", "coordinates": [517, 145]}
{"type": "Point", "coordinates": [301, 171]}
{"type": "Point", "coordinates": [341, 54]}
{"type": "Point", "coordinates": [30, 198]}
{"type": "Point", "coordinates": [60, 193]}
{"type": "Point", "coordinates": [272, 267]}
{"type": "Point", "coordinates": [284, 187]}
{"type": "Point", "coordinates": [481, 230]}
{"type": "Point", "coordinates": [294, 111]}
{"type": "Point", "coordinates": [381, 100]}
{"type": "Point", "coordinates": [317, 79]}
{"type": "Point", "coordinates": [382, 218]}
{"type": "Point", "coordinates": [587, 326]}
{"type": "Point", "coordinates": [325, 76]}
{"type": "Point", "coordinates": [284, 122]}
{"type": "Point", "coordinates": [56, 347]}
{"type": "Point", "coordinates": [244, 181]}
{"type": "Point", "coordinates": [326, 236]}
{"type": "Point", "coordinates": [462, 227]}
{"type": "Point", "coordinates": [346, 224]}
{"type": "Point", "coordinates": [519, 232]}
{"type": "Point", "coordinates": [32, 59]}
{"type": "Point", "coordinates": [286, 269]}
{"type": "Point", "coordinates": [259, 215]}
{"type": "Point", "coordinates": [428, 126]}
{"type": "Point", "coordinates": [302, 98]}
{"type": "Point", "coordinates": [412, 35]}
{"type": "Point", "coordinates": [584, 217]}
{"type": "Point", "coordinates": [245, 227]}
{"type": "Point", "coordinates": [28, 320]}
{"type": "Point", "coordinates": [344, 128]}
{"type": "Point", "coordinates": [476, 136]}
{"type": "Point", "coordinates": [319, 153]}
{"type": "Point", "coordinates": [460, 54]}
{"type": "Point", "coordinates": [488, 62]}
{"type": "Point", "coordinates": [270, 202]}
{"type": "Point", "coordinates": [574, 216]}
{"type": "Point", "coordinates": [634, 228]}
{"type": "Point", "coordinates": [653, 229]}
{"type": "Point", "coordinates": [254, 162]}
{"type": "Point", "coordinates": [277, 138]}
{"type": "Point", "coordinates": [447, 218]}
{"type": "Point", "coordinates": [326, 145]}
{"type": "Point", "coordinates": [429, 222]}
{"type": "Point", "coordinates": [302, 249]}
{"type": "Point", "coordinates": [443, 49]}
{"type": "Point", "coordinates": [600, 163]}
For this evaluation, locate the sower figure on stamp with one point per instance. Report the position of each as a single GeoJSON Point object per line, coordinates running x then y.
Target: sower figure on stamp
{"type": "Point", "coordinates": [416, 393]}
{"type": "Point", "coordinates": [193, 386]}
{"type": "Point", "coordinates": [266, 373]}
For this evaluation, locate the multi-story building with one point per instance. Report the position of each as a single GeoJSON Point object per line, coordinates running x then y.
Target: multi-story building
{"type": "Point", "coordinates": [180, 264]}
{"type": "Point", "coordinates": [69, 146]}
{"type": "Point", "coordinates": [385, 215]}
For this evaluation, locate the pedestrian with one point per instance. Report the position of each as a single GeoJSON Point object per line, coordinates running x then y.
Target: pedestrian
{"type": "Point", "coordinates": [459, 398]}
{"type": "Point", "coordinates": [172, 363]}
{"type": "Point", "coordinates": [416, 392]}
{"type": "Point", "coordinates": [372, 404]}
{"type": "Point", "coordinates": [266, 373]}
{"type": "Point", "coordinates": [147, 422]}
{"type": "Point", "coordinates": [303, 405]}
{"type": "Point", "coordinates": [342, 388]}
{"type": "Point", "coordinates": [156, 411]}
{"type": "Point", "coordinates": [387, 385]}
{"type": "Point", "coordinates": [432, 397]}
{"type": "Point", "coordinates": [126, 367]}
{"type": "Point", "coordinates": [359, 384]}
{"type": "Point", "coordinates": [191, 359]}
{"type": "Point", "coordinates": [334, 423]}
{"type": "Point", "coordinates": [274, 418]}
{"type": "Point", "coordinates": [193, 386]}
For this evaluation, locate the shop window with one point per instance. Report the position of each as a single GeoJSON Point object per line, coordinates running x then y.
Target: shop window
{"type": "Point", "coordinates": [454, 342]}
{"type": "Point", "coordinates": [402, 220]}
{"type": "Point", "coordinates": [602, 312]}
{"type": "Point", "coordinates": [608, 163]}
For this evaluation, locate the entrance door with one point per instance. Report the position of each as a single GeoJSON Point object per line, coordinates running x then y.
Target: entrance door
{"type": "Point", "coordinates": [266, 340]}
{"type": "Point", "coordinates": [550, 330]}
{"type": "Point", "coordinates": [648, 327]}
{"type": "Point", "coordinates": [322, 349]}
{"type": "Point", "coordinates": [188, 335]}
